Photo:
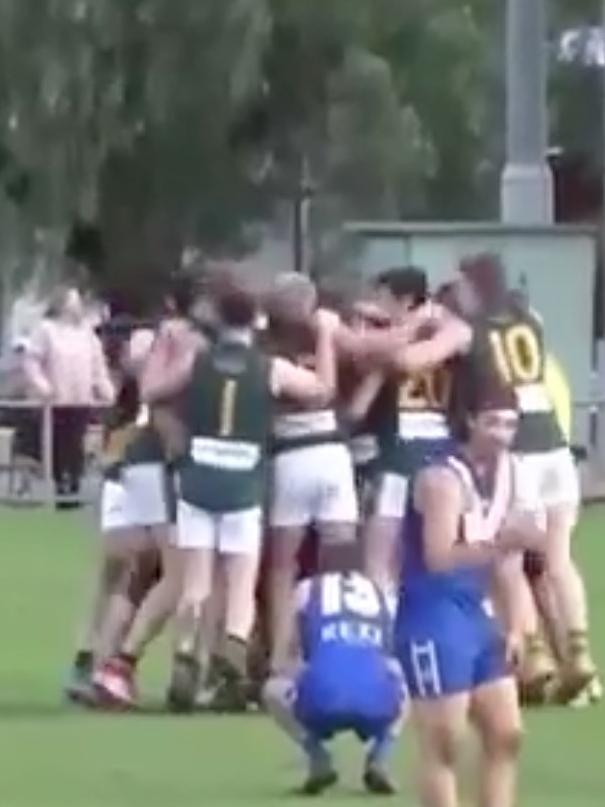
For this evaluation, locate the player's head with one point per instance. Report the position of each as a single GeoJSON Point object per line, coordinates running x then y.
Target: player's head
{"type": "Point", "coordinates": [290, 305]}
{"type": "Point", "coordinates": [400, 290]}
{"type": "Point", "coordinates": [180, 294]}
{"type": "Point", "coordinates": [447, 296]}
{"type": "Point", "coordinates": [481, 283]}
{"type": "Point", "coordinates": [235, 299]}
{"type": "Point", "coordinates": [491, 421]}
{"type": "Point", "coordinates": [366, 315]}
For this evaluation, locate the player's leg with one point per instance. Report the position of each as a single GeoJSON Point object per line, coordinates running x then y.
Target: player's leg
{"type": "Point", "coordinates": [280, 696]}
{"type": "Point", "coordinates": [440, 725]}
{"type": "Point", "coordinates": [115, 679]}
{"type": "Point", "coordinates": [291, 513]}
{"type": "Point", "coordinates": [537, 670]}
{"type": "Point", "coordinates": [438, 656]}
{"type": "Point", "coordinates": [381, 533]}
{"type": "Point", "coordinates": [239, 547]}
{"type": "Point", "coordinates": [118, 543]}
{"type": "Point", "coordinates": [391, 696]}
{"type": "Point", "coordinates": [496, 714]}
{"type": "Point", "coordinates": [336, 509]}
{"type": "Point", "coordinates": [196, 537]}
{"type": "Point", "coordinates": [561, 495]}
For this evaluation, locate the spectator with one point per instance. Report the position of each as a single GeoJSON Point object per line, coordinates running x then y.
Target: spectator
{"type": "Point", "coordinates": [66, 367]}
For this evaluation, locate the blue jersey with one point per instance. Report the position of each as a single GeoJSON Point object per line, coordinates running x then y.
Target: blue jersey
{"type": "Point", "coordinates": [447, 639]}
{"type": "Point", "coordinates": [468, 586]}
{"type": "Point", "coordinates": [342, 613]}
{"type": "Point", "coordinates": [347, 683]}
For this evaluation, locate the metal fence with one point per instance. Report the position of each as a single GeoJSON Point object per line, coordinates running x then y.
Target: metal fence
{"type": "Point", "coordinates": [29, 481]}
{"type": "Point", "coordinates": [27, 478]}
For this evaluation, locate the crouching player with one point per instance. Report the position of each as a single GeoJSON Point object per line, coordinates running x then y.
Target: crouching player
{"type": "Point", "coordinates": [345, 679]}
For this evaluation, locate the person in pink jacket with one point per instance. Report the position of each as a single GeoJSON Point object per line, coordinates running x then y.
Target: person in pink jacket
{"type": "Point", "coordinates": [66, 366]}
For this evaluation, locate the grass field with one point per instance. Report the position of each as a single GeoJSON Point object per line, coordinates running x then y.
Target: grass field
{"type": "Point", "coordinates": [53, 756]}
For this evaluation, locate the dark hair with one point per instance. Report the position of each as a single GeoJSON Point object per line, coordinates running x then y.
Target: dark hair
{"type": "Point", "coordinates": [492, 397]}
{"type": "Point", "coordinates": [181, 292]}
{"type": "Point", "coordinates": [471, 400]}
{"type": "Point", "coordinates": [487, 275]}
{"type": "Point", "coordinates": [405, 281]}
{"type": "Point", "coordinates": [236, 303]}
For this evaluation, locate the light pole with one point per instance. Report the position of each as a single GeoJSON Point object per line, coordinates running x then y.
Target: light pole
{"type": "Point", "coordinates": [527, 185]}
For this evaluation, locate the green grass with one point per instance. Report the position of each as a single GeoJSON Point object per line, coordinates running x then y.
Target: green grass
{"type": "Point", "coordinates": [52, 756]}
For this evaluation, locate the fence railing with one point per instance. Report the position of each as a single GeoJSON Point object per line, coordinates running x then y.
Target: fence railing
{"type": "Point", "coordinates": [27, 478]}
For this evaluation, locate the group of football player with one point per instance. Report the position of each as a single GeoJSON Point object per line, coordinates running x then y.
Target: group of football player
{"type": "Point", "coordinates": [344, 507]}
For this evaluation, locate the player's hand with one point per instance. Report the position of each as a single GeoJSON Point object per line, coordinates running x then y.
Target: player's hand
{"type": "Point", "coordinates": [521, 533]}
{"type": "Point", "coordinates": [327, 321]}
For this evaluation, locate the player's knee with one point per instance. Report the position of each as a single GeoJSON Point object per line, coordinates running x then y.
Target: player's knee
{"type": "Point", "coordinates": [504, 740]}
{"type": "Point", "coordinates": [444, 745]}
{"type": "Point", "coordinates": [116, 570]}
{"type": "Point", "coordinates": [146, 573]}
{"type": "Point", "coordinates": [534, 565]}
{"type": "Point", "coordinates": [274, 692]}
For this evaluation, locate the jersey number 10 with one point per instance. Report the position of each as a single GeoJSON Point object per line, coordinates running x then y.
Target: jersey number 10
{"type": "Point", "coordinates": [517, 354]}
{"type": "Point", "coordinates": [350, 594]}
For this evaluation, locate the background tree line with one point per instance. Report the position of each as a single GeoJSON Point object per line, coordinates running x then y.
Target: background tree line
{"type": "Point", "coordinates": [130, 129]}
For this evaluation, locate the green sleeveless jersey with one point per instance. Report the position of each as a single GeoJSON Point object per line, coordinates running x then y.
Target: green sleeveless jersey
{"type": "Point", "coordinates": [419, 405]}
{"type": "Point", "coordinates": [227, 414]}
{"type": "Point", "coordinates": [509, 348]}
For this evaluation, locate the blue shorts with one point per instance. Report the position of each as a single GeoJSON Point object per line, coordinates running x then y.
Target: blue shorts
{"type": "Point", "coordinates": [447, 656]}
{"type": "Point", "coordinates": [365, 700]}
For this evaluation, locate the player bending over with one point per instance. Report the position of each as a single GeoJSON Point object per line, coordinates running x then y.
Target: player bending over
{"type": "Point", "coordinates": [345, 679]}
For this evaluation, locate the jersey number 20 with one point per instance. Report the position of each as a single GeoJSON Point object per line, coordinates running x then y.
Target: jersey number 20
{"type": "Point", "coordinates": [351, 594]}
{"type": "Point", "coordinates": [428, 390]}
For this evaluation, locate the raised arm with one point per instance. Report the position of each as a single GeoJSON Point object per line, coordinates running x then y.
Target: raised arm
{"type": "Point", "coordinates": [451, 337]}
{"type": "Point", "coordinates": [169, 365]}
{"type": "Point", "coordinates": [310, 387]}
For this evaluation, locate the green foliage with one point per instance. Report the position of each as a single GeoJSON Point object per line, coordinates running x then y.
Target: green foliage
{"type": "Point", "coordinates": [164, 124]}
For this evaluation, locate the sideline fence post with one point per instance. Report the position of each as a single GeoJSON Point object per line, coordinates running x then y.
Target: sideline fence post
{"type": "Point", "coordinates": [47, 456]}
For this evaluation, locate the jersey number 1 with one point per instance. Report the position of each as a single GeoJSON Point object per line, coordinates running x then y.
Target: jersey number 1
{"type": "Point", "coordinates": [227, 412]}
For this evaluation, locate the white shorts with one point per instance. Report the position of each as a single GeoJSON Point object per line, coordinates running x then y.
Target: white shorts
{"type": "Point", "coordinates": [138, 499]}
{"type": "Point", "coordinates": [546, 479]}
{"type": "Point", "coordinates": [235, 533]}
{"type": "Point", "coordinates": [315, 484]}
{"type": "Point", "coordinates": [391, 496]}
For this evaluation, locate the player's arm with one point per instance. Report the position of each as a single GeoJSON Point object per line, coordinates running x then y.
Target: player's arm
{"type": "Point", "coordinates": [507, 575]}
{"type": "Point", "coordinates": [507, 578]}
{"type": "Point", "coordinates": [310, 387]}
{"type": "Point", "coordinates": [168, 368]}
{"type": "Point", "coordinates": [439, 497]}
{"type": "Point", "coordinates": [363, 397]}
{"type": "Point", "coordinates": [450, 336]}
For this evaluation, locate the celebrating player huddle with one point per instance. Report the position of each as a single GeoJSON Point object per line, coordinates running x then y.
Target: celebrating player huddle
{"type": "Point", "coordinates": [403, 456]}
